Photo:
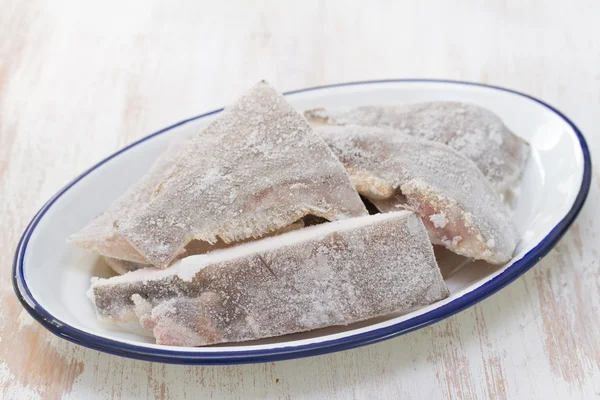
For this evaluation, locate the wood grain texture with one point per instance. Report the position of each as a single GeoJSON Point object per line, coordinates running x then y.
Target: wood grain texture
{"type": "Point", "coordinates": [78, 80]}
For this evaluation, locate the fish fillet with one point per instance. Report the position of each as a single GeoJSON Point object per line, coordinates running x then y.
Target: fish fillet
{"type": "Point", "coordinates": [459, 207]}
{"type": "Point", "coordinates": [331, 274]}
{"type": "Point", "coordinates": [475, 132]}
{"type": "Point", "coordinates": [257, 168]}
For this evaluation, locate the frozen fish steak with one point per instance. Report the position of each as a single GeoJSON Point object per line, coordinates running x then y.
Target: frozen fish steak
{"type": "Point", "coordinates": [331, 274]}
{"type": "Point", "coordinates": [257, 168]}
{"type": "Point", "coordinates": [475, 132]}
{"type": "Point", "coordinates": [459, 207]}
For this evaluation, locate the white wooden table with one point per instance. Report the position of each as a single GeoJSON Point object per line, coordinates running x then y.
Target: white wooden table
{"type": "Point", "coordinates": [79, 80]}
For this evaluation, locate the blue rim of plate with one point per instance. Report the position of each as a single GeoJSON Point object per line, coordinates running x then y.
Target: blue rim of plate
{"type": "Point", "coordinates": [74, 335]}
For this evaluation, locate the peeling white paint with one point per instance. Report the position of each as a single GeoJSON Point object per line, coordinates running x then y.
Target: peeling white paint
{"type": "Point", "coordinates": [11, 388]}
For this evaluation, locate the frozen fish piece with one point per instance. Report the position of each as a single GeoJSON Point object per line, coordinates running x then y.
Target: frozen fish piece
{"type": "Point", "coordinates": [330, 274]}
{"type": "Point", "coordinates": [257, 168]}
{"type": "Point", "coordinates": [459, 207]}
{"type": "Point", "coordinates": [475, 132]}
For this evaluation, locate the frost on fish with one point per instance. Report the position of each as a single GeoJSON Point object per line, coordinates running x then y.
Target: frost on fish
{"type": "Point", "coordinates": [101, 237]}
{"type": "Point", "coordinates": [458, 206]}
{"type": "Point", "coordinates": [475, 132]}
{"type": "Point", "coordinates": [255, 169]}
{"type": "Point", "coordinates": [330, 274]}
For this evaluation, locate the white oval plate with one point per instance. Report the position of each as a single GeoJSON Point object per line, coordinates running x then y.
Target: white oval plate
{"type": "Point", "coordinates": [51, 278]}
